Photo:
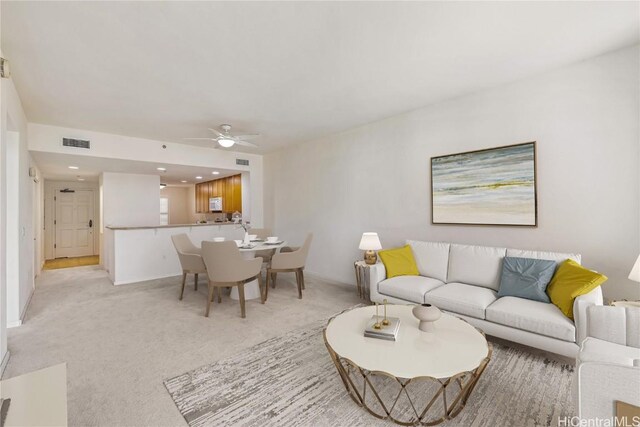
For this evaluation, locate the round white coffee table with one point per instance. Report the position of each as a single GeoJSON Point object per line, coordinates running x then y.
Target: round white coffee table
{"type": "Point", "coordinates": [435, 372]}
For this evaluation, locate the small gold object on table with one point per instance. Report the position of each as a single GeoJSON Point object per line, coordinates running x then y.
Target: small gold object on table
{"type": "Point", "coordinates": [377, 325]}
{"type": "Point", "coordinates": [387, 329]}
{"type": "Point", "coordinates": [385, 321]}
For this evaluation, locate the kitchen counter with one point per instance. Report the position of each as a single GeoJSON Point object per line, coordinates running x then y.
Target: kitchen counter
{"type": "Point", "coordinates": [145, 227]}
{"type": "Point", "coordinates": [136, 254]}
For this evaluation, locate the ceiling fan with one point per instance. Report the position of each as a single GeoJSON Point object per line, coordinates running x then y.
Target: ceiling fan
{"type": "Point", "coordinates": [227, 140]}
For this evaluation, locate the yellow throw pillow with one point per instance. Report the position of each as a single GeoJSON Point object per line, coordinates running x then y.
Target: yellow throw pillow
{"type": "Point", "coordinates": [399, 262]}
{"type": "Point", "coordinates": [570, 281]}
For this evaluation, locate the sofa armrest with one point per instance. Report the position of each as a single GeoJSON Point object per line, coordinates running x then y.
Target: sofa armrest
{"type": "Point", "coordinates": [598, 385]}
{"type": "Point", "coordinates": [377, 273]}
{"type": "Point", "coordinates": [580, 305]}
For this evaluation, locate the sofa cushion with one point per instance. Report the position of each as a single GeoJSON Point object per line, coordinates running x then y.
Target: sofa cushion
{"type": "Point", "coordinates": [432, 258]}
{"type": "Point", "coordinates": [462, 299]}
{"type": "Point", "coordinates": [409, 288]}
{"type": "Point", "coordinates": [476, 265]}
{"type": "Point", "coordinates": [533, 316]}
{"type": "Point", "coordinates": [596, 350]}
{"type": "Point", "coordinates": [558, 257]}
{"type": "Point", "coordinates": [526, 278]}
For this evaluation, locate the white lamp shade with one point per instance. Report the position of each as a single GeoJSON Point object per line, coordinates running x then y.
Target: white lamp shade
{"type": "Point", "coordinates": [635, 271]}
{"type": "Point", "coordinates": [370, 242]}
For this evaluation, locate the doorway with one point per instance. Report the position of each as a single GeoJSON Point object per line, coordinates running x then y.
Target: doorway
{"type": "Point", "coordinates": [73, 223]}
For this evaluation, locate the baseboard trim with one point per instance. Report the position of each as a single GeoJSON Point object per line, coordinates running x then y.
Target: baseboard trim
{"type": "Point", "coordinates": [14, 324]}
{"type": "Point", "coordinates": [146, 279]}
{"type": "Point", "coordinates": [5, 361]}
{"type": "Point", "coordinates": [334, 282]}
{"type": "Point", "coordinates": [26, 306]}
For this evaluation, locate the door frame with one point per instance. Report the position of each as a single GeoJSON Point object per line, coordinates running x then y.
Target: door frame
{"type": "Point", "coordinates": [51, 188]}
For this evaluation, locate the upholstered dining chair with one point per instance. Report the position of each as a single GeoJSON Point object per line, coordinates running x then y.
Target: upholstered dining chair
{"type": "Point", "coordinates": [190, 259]}
{"type": "Point", "coordinates": [292, 262]}
{"type": "Point", "coordinates": [226, 267]}
{"type": "Point", "coordinates": [263, 233]}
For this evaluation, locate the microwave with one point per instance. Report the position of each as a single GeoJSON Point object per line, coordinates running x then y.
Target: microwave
{"type": "Point", "coordinates": [215, 204]}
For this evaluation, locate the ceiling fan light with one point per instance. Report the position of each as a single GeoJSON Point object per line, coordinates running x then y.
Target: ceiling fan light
{"type": "Point", "coordinates": [226, 142]}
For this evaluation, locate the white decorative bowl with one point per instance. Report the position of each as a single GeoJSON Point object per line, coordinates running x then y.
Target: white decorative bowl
{"type": "Point", "coordinates": [426, 314]}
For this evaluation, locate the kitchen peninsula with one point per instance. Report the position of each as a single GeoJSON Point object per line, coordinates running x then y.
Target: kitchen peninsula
{"type": "Point", "coordinates": [135, 254]}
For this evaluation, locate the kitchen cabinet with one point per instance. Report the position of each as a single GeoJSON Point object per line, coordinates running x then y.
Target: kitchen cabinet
{"type": "Point", "coordinates": [229, 188]}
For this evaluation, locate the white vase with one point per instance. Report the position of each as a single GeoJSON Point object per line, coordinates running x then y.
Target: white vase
{"type": "Point", "coordinates": [426, 314]}
{"type": "Point", "coordinates": [247, 240]}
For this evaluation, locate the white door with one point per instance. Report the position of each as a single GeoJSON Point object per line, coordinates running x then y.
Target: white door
{"type": "Point", "coordinates": [74, 223]}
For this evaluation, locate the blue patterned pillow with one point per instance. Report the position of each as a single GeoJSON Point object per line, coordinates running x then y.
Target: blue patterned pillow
{"type": "Point", "coordinates": [526, 278]}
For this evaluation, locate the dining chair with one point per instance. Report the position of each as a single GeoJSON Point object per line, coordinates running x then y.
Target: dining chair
{"type": "Point", "coordinates": [226, 267]}
{"type": "Point", "coordinates": [291, 262]}
{"type": "Point", "coordinates": [190, 259]}
{"type": "Point", "coordinates": [263, 233]}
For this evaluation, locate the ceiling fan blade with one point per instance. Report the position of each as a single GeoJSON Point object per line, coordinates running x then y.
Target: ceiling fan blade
{"type": "Point", "coordinates": [248, 137]}
{"type": "Point", "coordinates": [217, 132]}
{"type": "Point", "coordinates": [208, 139]}
{"type": "Point", "coordinates": [246, 143]}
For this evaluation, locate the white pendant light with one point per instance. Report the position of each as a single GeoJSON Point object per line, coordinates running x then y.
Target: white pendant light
{"type": "Point", "coordinates": [226, 142]}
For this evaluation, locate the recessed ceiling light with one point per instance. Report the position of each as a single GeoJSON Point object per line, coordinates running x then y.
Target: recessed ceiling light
{"type": "Point", "coordinates": [215, 173]}
{"type": "Point", "coordinates": [73, 167]}
{"type": "Point", "coordinates": [198, 177]}
{"type": "Point", "coordinates": [162, 169]}
{"type": "Point", "coordinates": [183, 181]}
{"type": "Point", "coordinates": [80, 179]}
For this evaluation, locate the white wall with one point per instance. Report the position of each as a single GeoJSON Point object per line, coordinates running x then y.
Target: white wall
{"type": "Point", "coordinates": [584, 118]}
{"type": "Point", "coordinates": [19, 212]}
{"type": "Point", "coordinates": [51, 188]}
{"type": "Point", "coordinates": [47, 138]}
{"type": "Point", "coordinates": [180, 211]}
{"type": "Point", "coordinates": [130, 199]}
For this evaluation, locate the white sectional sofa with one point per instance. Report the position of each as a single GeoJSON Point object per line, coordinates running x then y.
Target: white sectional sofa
{"type": "Point", "coordinates": [464, 280]}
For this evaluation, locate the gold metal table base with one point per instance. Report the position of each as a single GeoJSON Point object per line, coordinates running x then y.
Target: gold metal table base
{"type": "Point", "coordinates": [380, 393]}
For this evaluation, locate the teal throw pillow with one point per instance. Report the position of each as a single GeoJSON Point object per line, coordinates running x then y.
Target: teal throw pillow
{"type": "Point", "coordinates": [526, 278]}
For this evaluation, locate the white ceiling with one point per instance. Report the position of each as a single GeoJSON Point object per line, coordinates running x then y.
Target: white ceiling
{"type": "Point", "coordinates": [55, 166]}
{"type": "Point", "coordinates": [292, 71]}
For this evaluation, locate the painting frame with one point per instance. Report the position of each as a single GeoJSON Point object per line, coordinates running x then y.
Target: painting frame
{"type": "Point", "coordinates": [485, 151]}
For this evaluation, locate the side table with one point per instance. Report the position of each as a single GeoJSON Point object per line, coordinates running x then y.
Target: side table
{"type": "Point", "coordinates": [362, 278]}
{"type": "Point", "coordinates": [624, 303]}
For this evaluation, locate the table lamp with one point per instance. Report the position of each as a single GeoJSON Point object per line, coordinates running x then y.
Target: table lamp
{"type": "Point", "coordinates": [635, 271]}
{"type": "Point", "coordinates": [369, 244]}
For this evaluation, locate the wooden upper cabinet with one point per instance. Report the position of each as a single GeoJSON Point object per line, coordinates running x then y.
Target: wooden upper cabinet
{"type": "Point", "coordinates": [229, 188]}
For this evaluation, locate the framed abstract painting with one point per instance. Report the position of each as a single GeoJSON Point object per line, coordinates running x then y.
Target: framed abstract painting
{"type": "Point", "coordinates": [495, 186]}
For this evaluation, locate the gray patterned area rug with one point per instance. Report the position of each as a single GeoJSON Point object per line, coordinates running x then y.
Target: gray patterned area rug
{"type": "Point", "coordinates": [291, 380]}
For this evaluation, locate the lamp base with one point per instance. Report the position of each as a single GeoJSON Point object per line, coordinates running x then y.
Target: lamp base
{"type": "Point", "coordinates": [370, 257]}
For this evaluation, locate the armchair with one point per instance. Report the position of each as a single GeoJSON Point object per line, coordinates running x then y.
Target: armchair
{"type": "Point", "coordinates": [608, 363]}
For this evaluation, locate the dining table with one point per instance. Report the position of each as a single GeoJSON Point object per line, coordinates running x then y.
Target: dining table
{"type": "Point", "coordinates": [252, 288]}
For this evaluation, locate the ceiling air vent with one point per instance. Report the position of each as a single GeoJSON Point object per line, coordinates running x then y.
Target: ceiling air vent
{"type": "Point", "coordinates": [242, 162]}
{"type": "Point", "coordinates": [77, 143]}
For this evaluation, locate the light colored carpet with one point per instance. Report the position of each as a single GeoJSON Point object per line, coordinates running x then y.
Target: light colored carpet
{"type": "Point", "coordinates": [291, 380]}
{"type": "Point", "coordinates": [121, 342]}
